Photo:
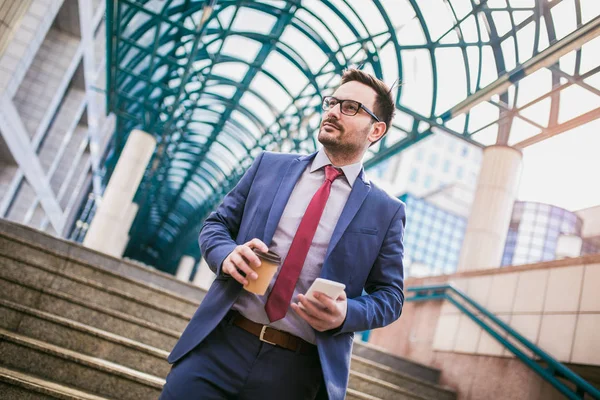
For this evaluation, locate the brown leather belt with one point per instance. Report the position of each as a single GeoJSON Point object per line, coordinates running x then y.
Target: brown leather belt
{"type": "Point", "coordinates": [271, 335]}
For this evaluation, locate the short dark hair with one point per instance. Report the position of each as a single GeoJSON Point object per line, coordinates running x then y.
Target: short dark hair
{"type": "Point", "coordinates": [384, 102]}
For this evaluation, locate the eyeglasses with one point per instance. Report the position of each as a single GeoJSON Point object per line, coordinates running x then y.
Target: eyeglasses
{"type": "Point", "coordinates": [347, 107]}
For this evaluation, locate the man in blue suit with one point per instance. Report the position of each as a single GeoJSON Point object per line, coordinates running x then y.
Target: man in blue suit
{"type": "Point", "coordinates": [325, 219]}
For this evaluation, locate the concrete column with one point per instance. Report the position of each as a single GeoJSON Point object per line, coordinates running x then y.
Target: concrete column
{"type": "Point", "coordinates": [185, 268]}
{"type": "Point", "coordinates": [121, 238]}
{"type": "Point", "coordinates": [492, 208]}
{"type": "Point", "coordinates": [116, 201]}
{"type": "Point", "coordinates": [204, 276]}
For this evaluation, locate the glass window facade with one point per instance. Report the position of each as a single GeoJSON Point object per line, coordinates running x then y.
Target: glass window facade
{"type": "Point", "coordinates": [433, 237]}
{"type": "Point", "coordinates": [379, 170]}
{"type": "Point", "coordinates": [534, 230]}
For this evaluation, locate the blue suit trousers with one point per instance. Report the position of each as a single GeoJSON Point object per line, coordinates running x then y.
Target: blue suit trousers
{"type": "Point", "coordinates": [234, 364]}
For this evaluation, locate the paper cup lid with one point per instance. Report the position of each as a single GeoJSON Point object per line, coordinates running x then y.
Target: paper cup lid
{"type": "Point", "coordinates": [269, 256]}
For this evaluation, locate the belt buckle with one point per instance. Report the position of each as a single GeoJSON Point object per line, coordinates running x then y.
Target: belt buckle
{"type": "Point", "coordinates": [262, 334]}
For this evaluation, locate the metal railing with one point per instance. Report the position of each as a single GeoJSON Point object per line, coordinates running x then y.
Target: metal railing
{"type": "Point", "coordinates": [553, 372]}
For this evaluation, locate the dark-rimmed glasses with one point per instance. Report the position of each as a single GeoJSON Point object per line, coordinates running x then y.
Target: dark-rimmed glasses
{"type": "Point", "coordinates": [347, 107]}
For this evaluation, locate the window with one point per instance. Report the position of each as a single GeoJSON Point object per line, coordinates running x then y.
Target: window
{"type": "Point", "coordinates": [460, 172]}
{"type": "Point", "coordinates": [433, 160]}
{"type": "Point", "coordinates": [535, 254]}
{"type": "Point", "coordinates": [446, 166]}
{"type": "Point", "coordinates": [452, 144]}
{"type": "Point", "coordinates": [465, 151]}
{"type": "Point", "coordinates": [567, 227]}
{"type": "Point", "coordinates": [381, 168]}
{"type": "Point", "coordinates": [544, 208]}
{"type": "Point", "coordinates": [428, 181]}
{"type": "Point", "coordinates": [414, 175]}
{"type": "Point", "coordinates": [547, 256]}
{"type": "Point", "coordinates": [542, 220]}
{"type": "Point", "coordinates": [530, 207]}
{"type": "Point", "coordinates": [429, 259]}
{"type": "Point", "coordinates": [472, 178]}
{"type": "Point", "coordinates": [420, 154]}
{"type": "Point", "coordinates": [427, 219]}
{"type": "Point", "coordinates": [537, 242]}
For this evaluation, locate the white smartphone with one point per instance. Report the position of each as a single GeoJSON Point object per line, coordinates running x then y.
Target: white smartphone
{"type": "Point", "coordinates": [331, 288]}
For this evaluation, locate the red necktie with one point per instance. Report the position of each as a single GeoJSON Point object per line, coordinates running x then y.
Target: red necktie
{"type": "Point", "coordinates": [279, 298]}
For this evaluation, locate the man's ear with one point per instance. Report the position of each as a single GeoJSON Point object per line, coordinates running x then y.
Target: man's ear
{"type": "Point", "coordinates": [377, 132]}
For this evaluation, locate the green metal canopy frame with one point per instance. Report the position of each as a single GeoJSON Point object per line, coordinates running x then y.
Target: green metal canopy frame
{"type": "Point", "coordinates": [217, 82]}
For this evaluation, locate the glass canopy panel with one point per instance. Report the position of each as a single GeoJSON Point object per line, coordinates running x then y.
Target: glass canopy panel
{"type": "Point", "coordinates": [253, 20]}
{"type": "Point", "coordinates": [209, 173]}
{"type": "Point", "coordinates": [242, 48]}
{"type": "Point", "coordinates": [262, 109]}
{"type": "Point", "coordinates": [219, 81]}
{"type": "Point", "coordinates": [278, 95]}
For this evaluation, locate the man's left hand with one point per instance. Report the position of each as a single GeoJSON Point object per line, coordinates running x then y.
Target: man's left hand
{"type": "Point", "coordinates": [323, 314]}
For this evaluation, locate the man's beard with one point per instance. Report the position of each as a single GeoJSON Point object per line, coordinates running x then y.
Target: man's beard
{"type": "Point", "coordinates": [328, 140]}
{"type": "Point", "coordinates": [337, 143]}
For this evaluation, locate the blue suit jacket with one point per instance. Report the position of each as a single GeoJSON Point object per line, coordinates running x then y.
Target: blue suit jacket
{"type": "Point", "coordinates": [365, 251]}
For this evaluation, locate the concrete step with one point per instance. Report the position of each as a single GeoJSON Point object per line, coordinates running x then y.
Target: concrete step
{"type": "Point", "coordinates": [94, 342]}
{"type": "Point", "coordinates": [80, 310]}
{"type": "Point", "coordinates": [16, 251]}
{"type": "Point", "coordinates": [352, 394]}
{"type": "Point", "coordinates": [76, 309]}
{"type": "Point", "coordinates": [86, 340]}
{"type": "Point", "coordinates": [72, 369]}
{"type": "Point", "coordinates": [93, 292]}
{"type": "Point", "coordinates": [376, 387]}
{"type": "Point", "coordinates": [82, 338]}
{"type": "Point", "coordinates": [408, 367]}
{"type": "Point", "coordinates": [105, 308]}
{"type": "Point", "coordinates": [15, 385]}
{"type": "Point", "coordinates": [59, 250]}
{"type": "Point", "coordinates": [383, 372]}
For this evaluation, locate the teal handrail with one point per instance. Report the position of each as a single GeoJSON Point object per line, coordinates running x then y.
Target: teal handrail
{"type": "Point", "coordinates": [554, 368]}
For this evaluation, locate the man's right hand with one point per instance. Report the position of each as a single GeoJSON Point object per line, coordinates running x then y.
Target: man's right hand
{"type": "Point", "coordinates": [242, 259]}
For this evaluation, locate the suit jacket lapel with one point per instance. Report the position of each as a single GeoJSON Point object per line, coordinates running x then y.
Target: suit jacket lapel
{"type": "Point", "coordinates": [291, 176]}
{"type": "Point", "coordinates": [359, 193]}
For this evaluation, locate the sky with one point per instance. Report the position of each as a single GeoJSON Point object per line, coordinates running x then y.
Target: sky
{"type": "Point", "coordinates": [563, 170]}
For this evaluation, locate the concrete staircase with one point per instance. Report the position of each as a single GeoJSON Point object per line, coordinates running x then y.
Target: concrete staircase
{"type": "Point", "coordinates": [77, 324]}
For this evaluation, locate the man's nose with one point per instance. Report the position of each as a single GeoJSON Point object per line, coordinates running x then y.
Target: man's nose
{"type": "Point", "coordinates": [335, 111]}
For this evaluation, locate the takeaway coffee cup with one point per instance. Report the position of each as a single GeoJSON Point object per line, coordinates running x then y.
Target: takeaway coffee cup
{"type": "Point", "coordinates": [269, 264]}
